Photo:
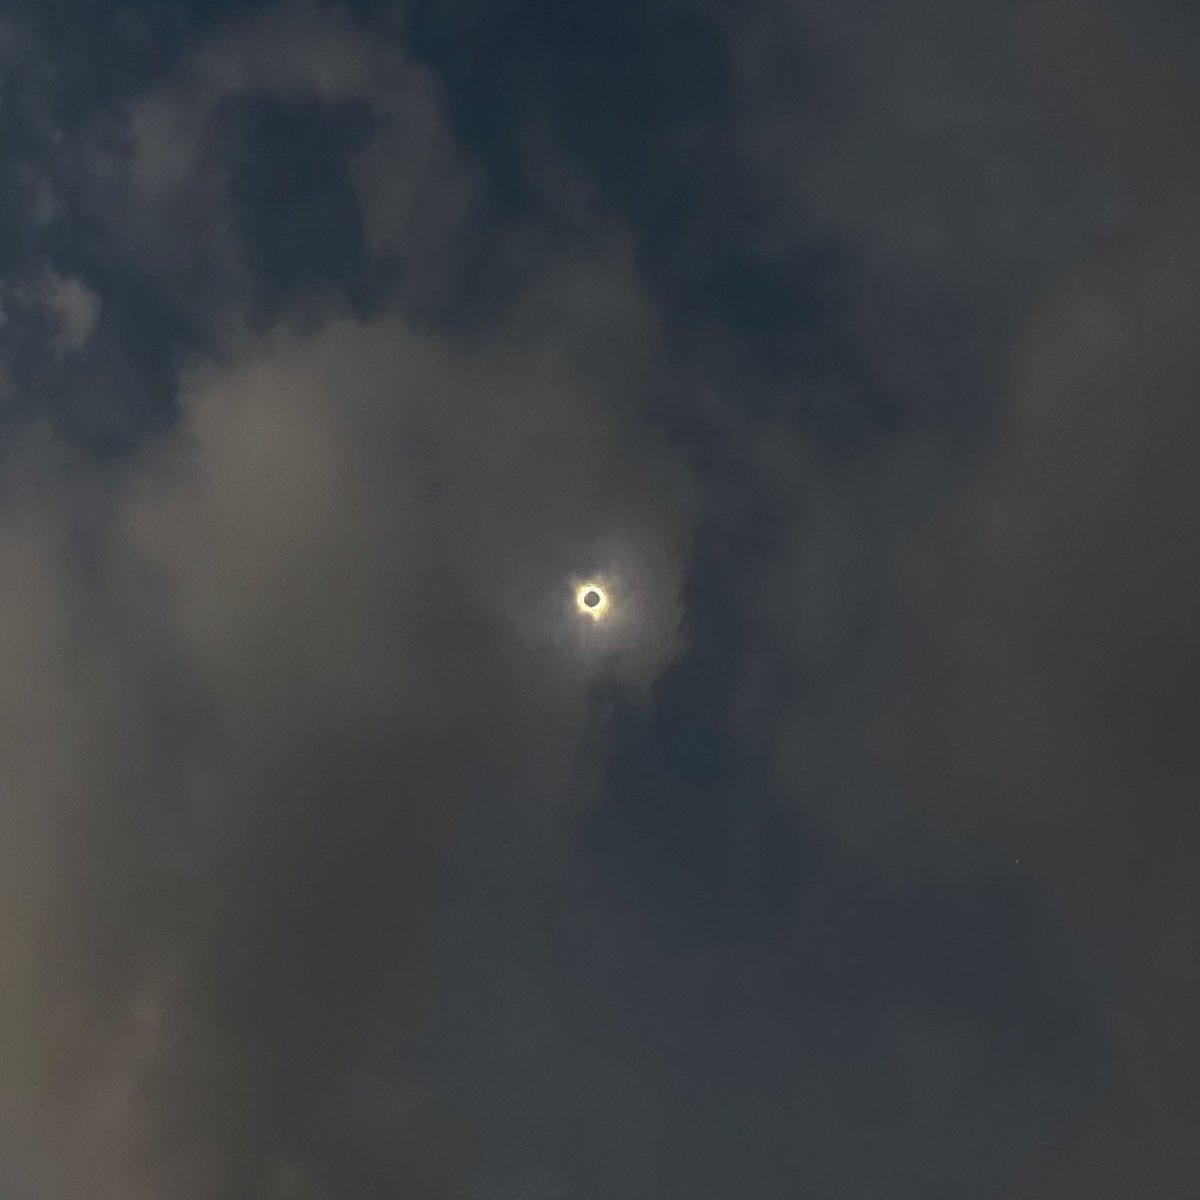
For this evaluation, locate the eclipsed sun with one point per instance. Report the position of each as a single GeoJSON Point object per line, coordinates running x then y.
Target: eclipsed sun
{"type": "Point", "coordinates": [591, 600]}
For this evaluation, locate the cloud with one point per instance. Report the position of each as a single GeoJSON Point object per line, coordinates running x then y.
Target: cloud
{"type": "Point", "coordinates": [251, 738]}
{"type": "Point", "coordinates": [304, 751]}
{"type": "Point", "coordinates": [293, 681]}
{"type": "Point", "coordinates": [993, 609]}
{"type": "Point", "coordinates": [1060, 617]}
{"type": "Point", "coordinates": [70, 307]}
{"type": "Point", "coordinates": [161, 171]}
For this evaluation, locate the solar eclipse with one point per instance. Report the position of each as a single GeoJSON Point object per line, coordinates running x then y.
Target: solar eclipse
{"type": "Point", "coordinates": [591, 600]}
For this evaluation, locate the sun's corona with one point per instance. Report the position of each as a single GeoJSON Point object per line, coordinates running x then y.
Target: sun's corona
{"type": "Point", "coordinates": [591, 600]}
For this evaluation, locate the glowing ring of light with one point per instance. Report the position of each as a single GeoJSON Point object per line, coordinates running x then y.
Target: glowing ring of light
{"type": "Point", "coordinates": [597, 595]}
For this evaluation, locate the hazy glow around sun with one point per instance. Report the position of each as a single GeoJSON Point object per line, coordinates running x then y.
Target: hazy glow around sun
{"type": "Point", "coordinates": [591, 600]}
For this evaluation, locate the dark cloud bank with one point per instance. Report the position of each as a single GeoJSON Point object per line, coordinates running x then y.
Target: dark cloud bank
{"type": "Point", "coordinates": [854, 347]}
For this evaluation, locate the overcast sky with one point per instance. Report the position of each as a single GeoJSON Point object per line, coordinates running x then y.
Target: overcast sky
{"type": "Point", "coordinates": [851, 347]}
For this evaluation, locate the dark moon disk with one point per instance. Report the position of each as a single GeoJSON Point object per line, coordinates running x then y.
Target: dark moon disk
{"type": "Point", "coordinates": [591, 599]}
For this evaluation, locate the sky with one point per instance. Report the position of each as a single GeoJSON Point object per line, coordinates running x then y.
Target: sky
{"type": "Point", "coordinates": [850, 347]}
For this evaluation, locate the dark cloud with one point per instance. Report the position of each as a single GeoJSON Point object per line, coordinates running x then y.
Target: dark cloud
{"type": "Point", "coordinates": [1001, 652]}
{"type": "Point", "coordinates": [850, 348]}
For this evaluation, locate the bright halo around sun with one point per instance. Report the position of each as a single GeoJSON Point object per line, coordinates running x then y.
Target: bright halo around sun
{"type": "Point", "coordinates": [591, 600]}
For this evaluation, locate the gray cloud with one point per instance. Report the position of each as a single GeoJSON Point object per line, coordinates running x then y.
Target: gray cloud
{"type": "Point", "coordinates": [295, 680]}
{"type": "Point", "coordinates": [299, 731]}
{"type": "Point", "coordinates": [158, 171]}
{"type": "Point", "coordinates": [997, 628]}
{"type": "Point", "coordinates": [298, 678]}
{"type": "Point", "coordinates": [68, 305]}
